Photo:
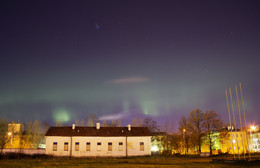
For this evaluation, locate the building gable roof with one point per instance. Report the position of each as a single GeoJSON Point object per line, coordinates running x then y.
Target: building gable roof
{"type": "Point", "coordinates": [103, 131]}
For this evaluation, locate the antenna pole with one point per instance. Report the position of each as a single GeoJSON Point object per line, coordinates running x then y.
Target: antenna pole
{"type": "Point", "coordinates": [234, 120]}
{"type": "Point", "coordinates": [244, 119]}
{"type": "Point", "coordinates": [230, 123]}
{"type": "Point", "coordinates": [241, 126]}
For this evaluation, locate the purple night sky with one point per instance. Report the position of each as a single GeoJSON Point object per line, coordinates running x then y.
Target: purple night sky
{"type": "Point", "coordinates": [63, 60]}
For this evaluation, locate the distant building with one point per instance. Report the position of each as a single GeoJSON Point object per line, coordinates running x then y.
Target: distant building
{"type": "Point", "coordinates": [98, 141]}
{"type": "Point", "coordinates": [226, 141]}
{"type": "Point", "coordinates": [18, 138]}
{"type": "Point", "coordinates": [14, 133]}
{"type": "Point", "coordinates": [254, 141]}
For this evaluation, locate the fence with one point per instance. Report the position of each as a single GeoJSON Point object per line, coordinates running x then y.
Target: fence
{"type": "Point", "coordinates": [24, 151]}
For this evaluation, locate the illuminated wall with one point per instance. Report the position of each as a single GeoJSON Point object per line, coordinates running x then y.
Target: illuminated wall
{"type": "Point", "coordinates": [226, 142]}
{"type": "Point", "coordinates": [254, 142]}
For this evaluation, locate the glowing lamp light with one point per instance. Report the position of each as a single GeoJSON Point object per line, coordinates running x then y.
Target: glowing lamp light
{"type": "Point", "coordinates": [9, 133]}
{"type": "Point", "coordinates": [253, 127]}
{"type": "Point", "coordinates": [154, 149]}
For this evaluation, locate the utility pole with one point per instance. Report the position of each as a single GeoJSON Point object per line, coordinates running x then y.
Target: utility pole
{"type": "Point", "coordinates": [234, 156]}
{"type": "Point", "coordinates": [244, 119]}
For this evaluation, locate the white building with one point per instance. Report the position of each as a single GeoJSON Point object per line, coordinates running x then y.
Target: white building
{"type": "Point", "coordinates": [98, 141]}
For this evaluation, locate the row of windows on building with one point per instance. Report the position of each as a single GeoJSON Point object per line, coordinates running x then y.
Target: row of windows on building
{"type": "Point", "coordinates": [232, 135]}
{"type": "Point", "coordinates": [255, 147]}
{"type": "Point", "coordinates": [120, 146]}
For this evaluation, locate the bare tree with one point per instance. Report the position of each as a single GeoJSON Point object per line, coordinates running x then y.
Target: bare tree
{"type": "Point", "coordinates": [176, 141]}
{"type": "Point", "coordinates": [196, 119]}
{"type": "Point", "coordinates": [166, 139]}
{"type": "Point", "coordinates": [140, 122]}
{"type": "Point", "coordinates": [92, 119]}
{"type": "Point", "coordinates": [119, 123]}
{"type": "Point", "coordinates": [34, 134]}
{"type": "Point", "coordinates": [38, 133]}
{"type": "Point", "coordinates": [151, 124]}
{"type": "Point", "coordinates": [184, 131]}
{"type": "Point", "coordinates": [77, 123]}
{"type": "Point", "coordinates": [137, 122]}
{"type": "Point", "coordinates": [212, 122]}
{"type": "Point", "coordinates": [104, 123]}
{"type": "Point", "coordinates": [113, 123]}
{"type": "Point", "coordinates": [80, 123]}
{"type": "Point", "coordinates": [4, 137]}
{"type": "Point", "coordinates": [134, 122]}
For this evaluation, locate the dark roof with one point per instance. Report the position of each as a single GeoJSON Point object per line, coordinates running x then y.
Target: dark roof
{"type": "Point", "coordinates": [103, 131]}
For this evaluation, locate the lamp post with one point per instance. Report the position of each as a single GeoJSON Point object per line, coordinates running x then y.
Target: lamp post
{"type": "Point", "coordinates": [184, 142]}
{"type": "Point", "coordinates": [10, 136]}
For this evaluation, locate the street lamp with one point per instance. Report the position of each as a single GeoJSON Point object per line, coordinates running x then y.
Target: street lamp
{"type": "Point", "coordinates": [10, 136]}
{"type": "Point", "coordinates": [184, 142]}
{"type": "Point", "coordinates": [253, 128]}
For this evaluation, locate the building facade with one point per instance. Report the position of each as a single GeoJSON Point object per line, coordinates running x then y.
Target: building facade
{"type": "Point", "coordinates": [254, 141]}
{"type": "Point", "coordinates": [14, 135]}
{"type": "Point", "coordinates": [226, 141]}
{"type": "Point", "coordinates": [98, 141]}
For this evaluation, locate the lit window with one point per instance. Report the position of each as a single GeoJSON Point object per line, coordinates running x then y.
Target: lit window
{"type": "Point", "coordinates": [66, 146]}
{"type": "Point", "coordinates": [76, 146]}
{"type": "Point", "coordinates": [109, 146]}
{"type": "Point", "coordinates": [99, 146]}
{"type": "Point", "coordinates": [141, 146]}
{"type": "Point", "coordinates": [120, 147]}
{"type": "Point", "coordinates": [88, 146]}
{"type": "Point", "coordinates": [55, 144]}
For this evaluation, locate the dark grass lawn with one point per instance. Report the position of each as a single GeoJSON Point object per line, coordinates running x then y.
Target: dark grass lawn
{"type": "Point", "coordinates": [152, 161]}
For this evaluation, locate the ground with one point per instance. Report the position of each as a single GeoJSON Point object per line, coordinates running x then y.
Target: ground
{"type": "Point", "coordinates": [153, 161]}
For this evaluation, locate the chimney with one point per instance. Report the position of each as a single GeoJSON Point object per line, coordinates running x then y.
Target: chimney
{"type": "Point", "coordinates": [73, 126]}
{"type": "Point", "coordinates": [98, 126]}
{"type": "Point", "coordinates": [129, 127]}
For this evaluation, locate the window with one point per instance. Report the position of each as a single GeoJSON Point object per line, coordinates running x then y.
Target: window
{"type": "Point", "coordinates": [88, 146]}
{"type": "Point", "coordinates": [66, 146]}
{"type": "Point", "coordinates": [99, 146]}
{"type": "Point", "coordinates": [120, 147]}
{"type": "Point", "coordinates": [76, 146]}
{"type": "Point", "coordinates": [141, 146]}
{"type": "Point", "coordinates": [109, 146]}
{"type": "Point", "coordinates": [55, 144]}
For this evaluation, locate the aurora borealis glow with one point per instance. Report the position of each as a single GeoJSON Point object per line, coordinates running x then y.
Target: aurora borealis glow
{"type": "Point", "coordinates": [124, 59]}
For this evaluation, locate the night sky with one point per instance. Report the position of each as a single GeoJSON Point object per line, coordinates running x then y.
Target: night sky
{"type": "Point", "coordinates": [63, 60]}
